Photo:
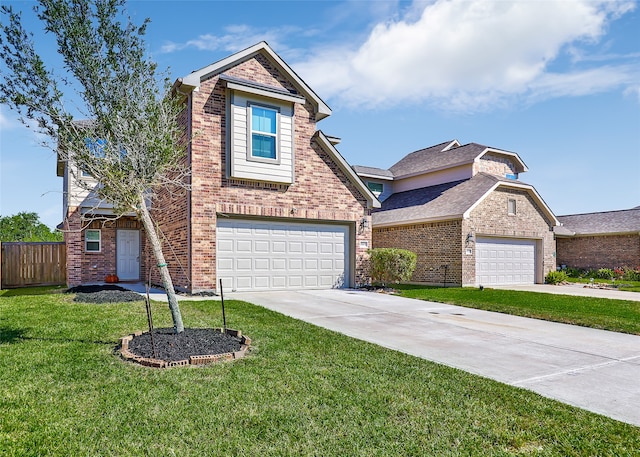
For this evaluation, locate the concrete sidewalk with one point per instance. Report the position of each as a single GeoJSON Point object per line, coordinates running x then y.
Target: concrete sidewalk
{"type": "Point", "coordinates": [592, 369]}
{"type": "Point", "coordinates": [575, 289]}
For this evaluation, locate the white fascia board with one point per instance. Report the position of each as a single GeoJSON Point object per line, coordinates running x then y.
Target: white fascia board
{"type": "Point", "coordinates": [420, 220]}
{"type": "Point", "coordinates": [323, 141]}
{"type": "Point", "coordinates": [513, 155]}
{"type": "Point", "coordinates": [193, 79]}
{"type": "Point", "coordinates": [372, 176]}
{"type": "Point", "coordinates": [453, 144]}
{"type": "Point", "coordinates": [530, 189]}
{"type": "Point", "coordinates": [264, 92]}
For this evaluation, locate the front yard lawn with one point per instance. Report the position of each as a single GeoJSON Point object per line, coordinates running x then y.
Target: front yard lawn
{"type": "Point", "coordinates": [302, 390]}
{"type": "Point", "coordinates": [615, 315]}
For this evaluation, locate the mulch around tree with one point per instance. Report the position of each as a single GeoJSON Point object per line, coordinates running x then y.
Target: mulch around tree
{"type": "Point", "coordinates": [169, 346]}
{"type": "Point", "coordinates": [106, 293]}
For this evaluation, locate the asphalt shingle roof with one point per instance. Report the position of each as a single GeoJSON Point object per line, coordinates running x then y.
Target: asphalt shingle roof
{"type": "Point", "coordinates": [623, 221]}
{"type": "Point", "coordinates": [364, 170]}
{"type": "Point", "coordinates": [442, 201]}
{"type": "Point", "coordinates": [431, 158]}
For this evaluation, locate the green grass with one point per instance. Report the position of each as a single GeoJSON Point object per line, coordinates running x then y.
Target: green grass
{"type": "Point", "coordinates": [629, 286]}
{"type": "Point", "coordinates": [615, 315]}
{"type": "Point", "coordinates": [301, 391]}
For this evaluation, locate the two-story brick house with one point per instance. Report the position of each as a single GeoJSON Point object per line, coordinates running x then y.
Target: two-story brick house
{"type": "Point", "coordinates": [271, 204]}
{"type": "Point", "coordinates": [463, 210]}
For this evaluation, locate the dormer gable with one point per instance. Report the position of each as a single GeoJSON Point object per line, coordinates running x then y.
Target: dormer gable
{"type": "Point", "coordinates": [192, 81]}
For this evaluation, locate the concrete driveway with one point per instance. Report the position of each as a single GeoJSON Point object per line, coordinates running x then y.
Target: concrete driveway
{"type": "Point", "coordinates": [592, 369]}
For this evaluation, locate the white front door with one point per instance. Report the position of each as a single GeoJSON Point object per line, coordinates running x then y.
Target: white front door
{"type": "Point", "coordinates": [128, 252]}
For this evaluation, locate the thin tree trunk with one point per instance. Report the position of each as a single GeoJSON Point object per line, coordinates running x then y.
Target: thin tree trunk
{"type": "Point", "coordinates": [152, 236]}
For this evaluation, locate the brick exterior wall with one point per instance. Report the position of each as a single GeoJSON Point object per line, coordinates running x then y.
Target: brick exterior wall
{"type": "Point", "coordinates": [93, 267]}
{"type": "Point", "coordinates": [494, 165]}
{"type": "Point", "coordinates": [436, 244]}
{"type": "Point", "coordinates": [589, 252]}
{"type": "Point", "coordinates": [444, 243]}
{"type": "Point", "coordinates": [491, 218]}
{"type": "Point", "coordinates": [321, 192]}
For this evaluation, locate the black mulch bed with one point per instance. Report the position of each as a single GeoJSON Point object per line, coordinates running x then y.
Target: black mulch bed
{"type": "Point", "coordinates": [107, 293]}
{"type": "Point", "coordinates": [172, 347]}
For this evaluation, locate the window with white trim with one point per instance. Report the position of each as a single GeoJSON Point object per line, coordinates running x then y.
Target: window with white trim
{"type": "Point", "coordinates": [92, 240]}
{"type": "Point", "coordinates": [264, 133]}
{"type": "Point", "coordinates": [511, 207]}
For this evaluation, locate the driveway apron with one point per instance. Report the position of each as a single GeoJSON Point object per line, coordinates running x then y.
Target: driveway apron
{"type": "Point", "coordinates": [593, 369]}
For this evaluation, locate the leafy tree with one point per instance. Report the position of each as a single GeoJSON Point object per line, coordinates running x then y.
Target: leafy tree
{"type": "Point", "coordinates": [132, 144]}
{"type": "Point", "coordinates": [26, 227]}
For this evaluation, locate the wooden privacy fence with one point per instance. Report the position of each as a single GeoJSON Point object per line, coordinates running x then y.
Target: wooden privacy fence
{"type": "Point", "coordinates": [32, 264]}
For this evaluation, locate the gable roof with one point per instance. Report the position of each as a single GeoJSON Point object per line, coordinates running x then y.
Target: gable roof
{"type": "Point", "coordinates": [325, 143]}
{"type": "Point", "coordinates": [191, 82]}
{"type": "Point", "coordinates": [454, 200]}
{"type": "Point", "coordinates": [372, 172]}
{"type": "Point", "coordinates": [604, 223]}
{"type": "Point", "coordinates": [447, 155]}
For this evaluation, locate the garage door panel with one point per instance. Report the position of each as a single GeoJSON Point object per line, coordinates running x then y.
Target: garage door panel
{"type": "Point", "coordinates": [260, 255]}
{"type": "Point", "coordinates": [505, 261]}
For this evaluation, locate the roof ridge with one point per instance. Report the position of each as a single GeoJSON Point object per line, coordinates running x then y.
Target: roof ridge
{"type": "Point", "coordinates": [601, 212]}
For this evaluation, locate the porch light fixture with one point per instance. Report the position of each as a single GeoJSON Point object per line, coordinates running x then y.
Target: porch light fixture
{"type": "Point", "coordinates": [469, 239]}
{"type": "Point", "coordinates": [364, 223]}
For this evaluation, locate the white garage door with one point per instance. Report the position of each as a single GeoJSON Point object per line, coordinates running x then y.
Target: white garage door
{"type": "Point", "coordinates": [505, 261]}
{"type": "Point", "coordinates": [268, 255]}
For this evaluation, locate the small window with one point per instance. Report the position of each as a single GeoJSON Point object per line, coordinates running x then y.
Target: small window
{"type": "Point", "coordinates": [92, 242]}
{"type": "Point", "coordinates": [511, 176]}
{"type": "Point", "coordinates": [264, 133]}
{"type": "Point", "coordinates": [511, 207]}
{"type": "Point", "coordinates": [375, 187]}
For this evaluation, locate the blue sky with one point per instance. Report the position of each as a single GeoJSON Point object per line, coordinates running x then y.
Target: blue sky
{"type": "Point", "coordinates": [556, 82]}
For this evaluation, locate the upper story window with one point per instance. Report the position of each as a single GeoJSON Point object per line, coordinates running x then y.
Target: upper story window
{"type": "Point", "coordinates": [92, 241]}
{"type": "Point", "coordinates": [264, 133]}
{"type": "Point", "coordinates": [511, 207]}
{"type": "Point", "coordinates": [376, 187]}
{"type": "Point", "coordinates": [511, 175]}
{"type": "Point", "coordinates": [97, 149]}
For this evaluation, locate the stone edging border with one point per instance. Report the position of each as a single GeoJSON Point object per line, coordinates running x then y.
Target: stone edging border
{"type": "Point", "coordinates": [245, 343]}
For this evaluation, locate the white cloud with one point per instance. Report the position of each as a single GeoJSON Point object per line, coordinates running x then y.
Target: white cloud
{"type": "Point", "coordinates": [234, 38]}
{"type": "Point", "coordinates": [470, 55]}
{"type": "Point", "coordinates": [5, 122]}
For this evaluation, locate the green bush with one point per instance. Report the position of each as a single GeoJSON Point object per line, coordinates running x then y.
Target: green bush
{"type": "Point", "coordinates": [631, 274]}
{"type": "Point", "coordinates": [605, 273]}
{"type": "Point", "coordinates": [555, 277]}
{"type": "Point", "coordinates": [574, 272]}
{"type": "Point", "coordinates": [390, 265]}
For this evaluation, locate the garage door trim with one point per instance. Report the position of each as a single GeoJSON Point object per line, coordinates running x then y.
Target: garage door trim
{"type": "Point", "coordinates": [278, 254]}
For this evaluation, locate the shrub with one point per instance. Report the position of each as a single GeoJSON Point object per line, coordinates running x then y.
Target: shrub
{"type": "Point", "coordinates": [605, 273]}
{"type": "Point", "coordinates": [574, 272]}
{"type": "Point", "coordinates": [555, 277]}
{"type": "Point", "coordinates": [631, 274]}
{"type": "Point", "coordinates": [391, 265]}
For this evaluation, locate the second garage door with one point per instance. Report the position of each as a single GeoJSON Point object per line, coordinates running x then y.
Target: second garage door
{"type": "Point", "coordinates": [505, 261]}
{"type": "Point", "coordinates": [276, 255]}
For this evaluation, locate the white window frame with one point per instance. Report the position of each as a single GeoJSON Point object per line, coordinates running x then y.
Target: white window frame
{"type": "Point", "coordinates": [250, 132]}
{"type": "Point", "coordinates": [87, 240]}
{"type": "Point", "coordinates": [511, 206]}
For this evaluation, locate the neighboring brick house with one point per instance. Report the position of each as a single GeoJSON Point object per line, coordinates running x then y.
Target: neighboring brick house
{"type": "Point", "coordinates": [271, 205]}
{"type": "Point", "coordinates": [464, 212]}
{"type": "Point", "coordinates": [610, 239]}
